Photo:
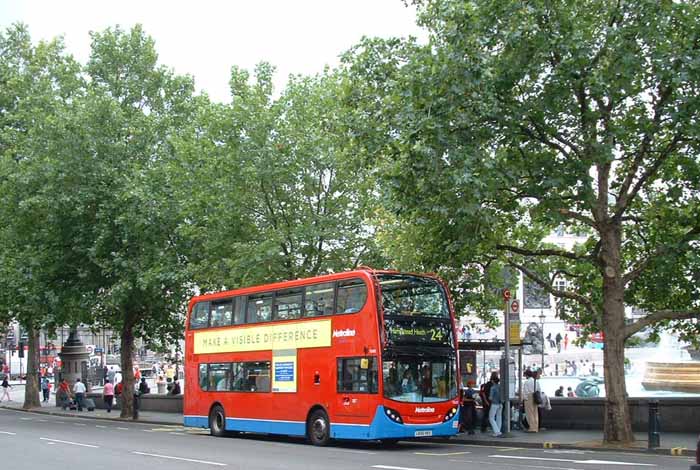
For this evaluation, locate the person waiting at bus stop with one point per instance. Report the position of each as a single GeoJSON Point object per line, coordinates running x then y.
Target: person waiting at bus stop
{"type": "Point", "coordinates": [468, 412]}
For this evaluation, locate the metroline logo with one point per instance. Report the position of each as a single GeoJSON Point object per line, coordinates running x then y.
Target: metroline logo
{"type": "Point", "coordinates": [343, 333]}
{"type": "Point", "coordinates": [425, 409]}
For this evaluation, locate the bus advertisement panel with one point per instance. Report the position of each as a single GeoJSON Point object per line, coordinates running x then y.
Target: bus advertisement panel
{"type": "Point", "coordinates": [357, 355]}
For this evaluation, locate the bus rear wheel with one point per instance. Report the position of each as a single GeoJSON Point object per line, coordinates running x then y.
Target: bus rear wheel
{"type": "Point", "coordinates": [318, 428]}
{"type": "Point", "coordinates": [217, 422]}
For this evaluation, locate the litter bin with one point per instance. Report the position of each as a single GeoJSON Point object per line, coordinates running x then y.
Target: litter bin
{"type": "Point", "coordinates": [161, 387]}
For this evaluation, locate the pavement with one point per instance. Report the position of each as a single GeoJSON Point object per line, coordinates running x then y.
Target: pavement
{"type": "Point", "coordinates": [678, 444]}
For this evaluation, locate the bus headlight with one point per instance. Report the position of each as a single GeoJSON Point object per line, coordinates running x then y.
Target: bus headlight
{"type": "Point", "coordinates": [450, 414]}
{"type": "Point", "coordinates": [393, 415]}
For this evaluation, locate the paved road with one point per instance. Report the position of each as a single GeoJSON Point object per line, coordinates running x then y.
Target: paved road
{"type": "Point", "coordinates": [42, 441]}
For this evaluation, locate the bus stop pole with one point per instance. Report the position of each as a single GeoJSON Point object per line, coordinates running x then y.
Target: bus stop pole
{"type": "Point", "coordinates": [505, 375]}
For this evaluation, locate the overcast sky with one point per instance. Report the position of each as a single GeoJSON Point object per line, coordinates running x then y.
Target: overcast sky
{"type": "Point", "coordinates": [204, 38]}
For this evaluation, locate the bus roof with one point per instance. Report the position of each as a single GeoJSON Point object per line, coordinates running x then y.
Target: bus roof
{"type": "Point", "coordinates": [364, 272]}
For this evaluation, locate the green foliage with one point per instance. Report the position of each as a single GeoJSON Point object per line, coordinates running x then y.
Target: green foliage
{"type": "Point", "coordinates": [517, 119]}
{"type": "Point", "coordinates": [271, 191]}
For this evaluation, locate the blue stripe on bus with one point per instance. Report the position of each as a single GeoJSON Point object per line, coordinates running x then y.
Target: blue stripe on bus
{"type": "Point", "coordinates": [380, 428]}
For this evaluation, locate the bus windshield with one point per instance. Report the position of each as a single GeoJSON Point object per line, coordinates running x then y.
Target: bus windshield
{"type": "Point", "coordinates": [419, 380]}
{"type": "Point", "coordinates": [405, 295]}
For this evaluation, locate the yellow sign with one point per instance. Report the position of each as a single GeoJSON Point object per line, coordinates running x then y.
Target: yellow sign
{"type": "Point", "coordinates": [313, 334]}
{"type": "Point", "coordinates": [514, 333]}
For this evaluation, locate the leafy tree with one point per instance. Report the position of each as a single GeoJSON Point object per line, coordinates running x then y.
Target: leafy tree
{"type": "Point", "coordinates": [39, 282]}
{"type": "Point", "coordinates": [518, 118]}
{"type": "Point", "coordinates": [271, 192]}
{"type": "Point", "coordinates": [132, 111]}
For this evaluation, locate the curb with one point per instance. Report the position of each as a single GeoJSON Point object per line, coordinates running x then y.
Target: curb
{"type": "Point", "coordinates": [99, 418]}
{"type": "Point", "coordinates": [507, 442]}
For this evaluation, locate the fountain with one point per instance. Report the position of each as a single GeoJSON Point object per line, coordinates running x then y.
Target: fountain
{"type": "Point", "coordinates": [673, 373]}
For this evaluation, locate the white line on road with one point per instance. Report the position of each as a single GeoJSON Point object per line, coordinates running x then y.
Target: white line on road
{"type": "Point", "coordinates": [123, 429]}
{"type": "Point", "coordinates": [26, 419]}
{"type": "Point", "coordinates": [441, 454]}
{"type": "Point", "coordinates": [177, 433]}
{"type": "Point", "coordinates": [80, 424]}
{"type": "Point", "coordinates": [589, 462]}
{"type": "Point", "coordinates": [68, 442]}
{"type": "Point", "coordinates": [389, 467]}
{"type": "Point", "coordinates": [349, 451]}
{"type": "Point", "coordinates": [180, 458]}
{"type": "Point", "coordinates": [8, 433]}
{"type": "Point", "coordinates": [538, 467]}
{"type": "Point", "coordinates": [101, 427]}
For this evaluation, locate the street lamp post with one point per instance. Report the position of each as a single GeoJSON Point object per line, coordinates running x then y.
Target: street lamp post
{"type": "Point", "coordinates": [542, 317]}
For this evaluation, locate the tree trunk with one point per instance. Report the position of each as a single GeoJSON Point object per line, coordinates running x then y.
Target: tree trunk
{"type": "Point", "coordinates": [127, 361]}
{"type": "Point", "coordinates": [32, 390]}
{"type": "Point", "coordinates": [618, 427]}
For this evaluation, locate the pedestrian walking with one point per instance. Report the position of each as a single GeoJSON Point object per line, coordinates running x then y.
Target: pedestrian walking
{"type": "Point", "coordinates": [566, 341]}
{"type": "Point", "coordinates": [63, 395]}
{"type": "Point", "coordinates": [550, 340]}
{"type": "Point", "coordinates": [45, 389]}
{"type": "Point", "coordinates": [108, 395]}
{"type": "Point", "coordinates": [79, 390]}
{"type": "Point", "coordinates": [558, 339]}
{"type": "Point", "coordinates": [495, 412]}
{"type": "Point", "coordinates": [6, 390]}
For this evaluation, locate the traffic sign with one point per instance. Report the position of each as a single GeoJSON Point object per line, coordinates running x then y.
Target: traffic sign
{"type": "Point", "coordinates": [514, 306]}
{"type": "Point", "coordinates": [506, 294]}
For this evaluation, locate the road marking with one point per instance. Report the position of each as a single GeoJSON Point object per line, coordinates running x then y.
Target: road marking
{"type": "Point", "coordinates": [539, 467]}
{"type": "Point", "coordinates": [43, 421]}
{"type": "Point", "coordinates": [101, 427]}
{"type": "Point", "coordinates": [8, 433]}
{"type": "Point", "coordinates": [589, 462]}
{"type": "Point", "coordinates": [349, 451]}
{"type": "Point", "coordinates": [180, 458]}
{"type": "Point", "coordinates": [60, 422]}
{"type": "Point", "coordinates": [68, 442]}
{"type": "Point", "coordinates": [124, 429]}
{"type": "Point", "coordinates": [389, 467]}
{"type": "Point", "coordinates": [441, 454]}
{"type": "Point", "coordinates": [177, 433]}
{"type": "Point", "coordinates": [26, 419]}
{"type": "Point", "coordinates": [79, 424]}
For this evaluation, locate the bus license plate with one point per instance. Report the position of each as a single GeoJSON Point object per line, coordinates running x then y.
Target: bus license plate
{"type": "Point", "coordinates": [423, 433]}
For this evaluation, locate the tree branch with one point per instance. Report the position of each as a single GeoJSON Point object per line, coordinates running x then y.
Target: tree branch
{"type": "Point", "coordinates": [639, 268]}
{"type": "Point", "coordinates": [556, 293]}
{"type": "Point", "coordinates": [545, 252]}
{"type": "Point", "coordinates": [659, 316]}
{"type": "Point", "coordinates": [564, 212]}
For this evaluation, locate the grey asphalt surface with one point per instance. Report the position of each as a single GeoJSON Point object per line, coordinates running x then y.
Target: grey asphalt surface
{"type": "Point", "coordinates": [36, 441]}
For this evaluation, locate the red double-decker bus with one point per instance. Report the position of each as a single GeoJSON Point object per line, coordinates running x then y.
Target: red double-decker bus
{"type": "Point", "coordinates": [362, 354]}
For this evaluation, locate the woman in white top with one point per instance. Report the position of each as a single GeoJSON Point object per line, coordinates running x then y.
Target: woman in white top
{"type": "Point", "coordinates": [529, 387]}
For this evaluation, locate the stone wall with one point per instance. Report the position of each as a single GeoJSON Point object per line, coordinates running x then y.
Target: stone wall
{"type": "Point", "coordinates": [676, 414]}
{"type": "Point", "coordinates": [149, 402]}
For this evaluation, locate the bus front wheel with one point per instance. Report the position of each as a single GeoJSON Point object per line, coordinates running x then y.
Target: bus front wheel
{"type": "Point", "coordinates": [319, 428]}
{"type": "Point", "coordinates": [217, 422]}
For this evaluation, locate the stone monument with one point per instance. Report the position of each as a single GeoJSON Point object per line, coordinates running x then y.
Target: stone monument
{"type": "Point", "coordinates": [74, 358]}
